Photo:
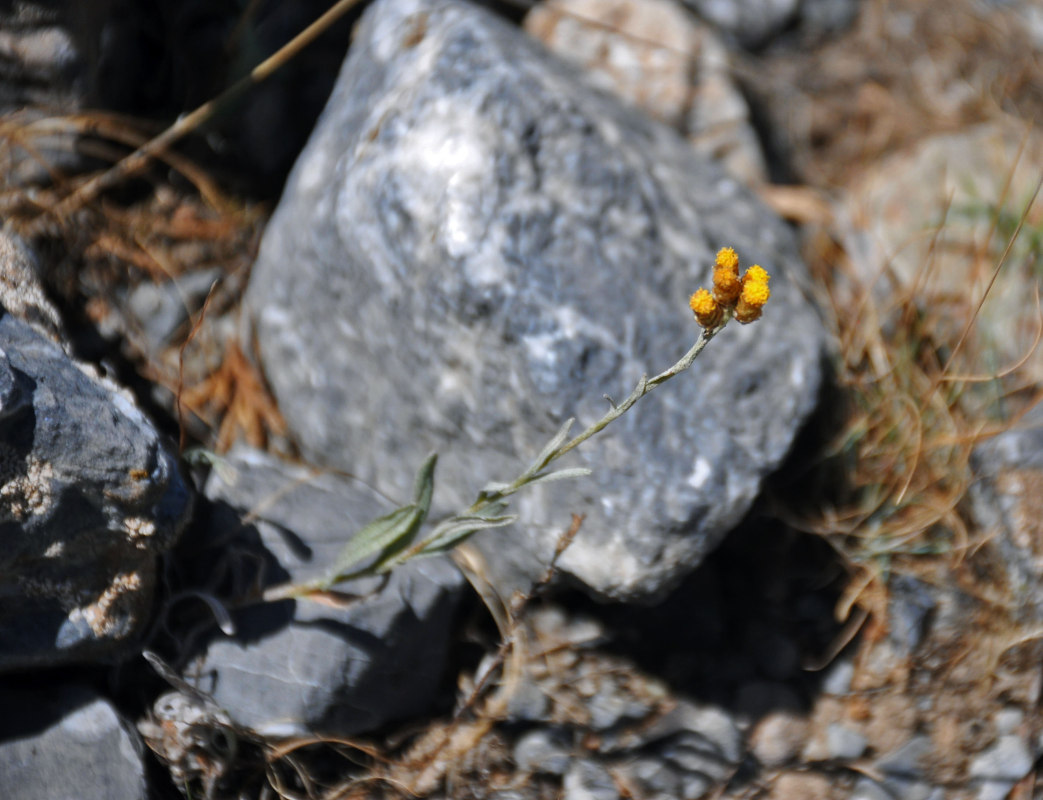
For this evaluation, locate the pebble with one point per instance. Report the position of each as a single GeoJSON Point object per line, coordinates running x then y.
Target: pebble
{"type": "Point", "coordinates": [1009, 720]}
{"type": "Point", "coordinates": [777, 738]}
{"type": "Point", "coordinates": [838, 677]}
{"type": "Point", "coordinates": [542, 751]}
{"type": "Point", "coordinates": [587, 780]}
{"type": "Point", "coordinates": [845, 743]}
{"type": "Point", "coordinates": [800, 786]}
{"type": "Point", "coordinates": [1006, 761]}
{"type": "Point", "coordinates": [868, 789]}
{"type": "Point", "coordinates": [905, 762]}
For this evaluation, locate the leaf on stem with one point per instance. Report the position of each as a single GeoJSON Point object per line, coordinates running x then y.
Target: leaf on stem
{"type": "Point", "coordinates": [456, 529]}
{"type": "Point", "coordinates": [389, 534]}
{"type": "Point", "coordinates": [559, 475]}
{"type": "Point", "coordinates": [551, 448]}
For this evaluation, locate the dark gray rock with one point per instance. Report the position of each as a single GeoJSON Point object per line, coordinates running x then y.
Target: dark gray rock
{"type": "Point", "coordinates": [66, 743]}
{"type": "Point", "coordinates": [297, 666]}
{"type": "Point", "coordinates": [89, 497]}
{"type": "Point", "coordinates": [474, 247]}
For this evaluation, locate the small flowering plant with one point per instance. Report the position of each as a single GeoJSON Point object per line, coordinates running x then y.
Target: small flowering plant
{"type": "Point", "coordinates": [393, 538]}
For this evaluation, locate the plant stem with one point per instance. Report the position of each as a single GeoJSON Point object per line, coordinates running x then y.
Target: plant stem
{"type": "Point", "coordinates": [644, 386]}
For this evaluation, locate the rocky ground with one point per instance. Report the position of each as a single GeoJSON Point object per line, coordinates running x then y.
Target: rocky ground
{"type": "Point", "coordinates": [808, 567]}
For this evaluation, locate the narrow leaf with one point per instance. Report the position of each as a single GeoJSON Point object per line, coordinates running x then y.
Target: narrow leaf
{"type": "Point", "coordinates": [390, 534]}
{"type": "Point", "coordinates": [380, 534]}
{"type": "Point", "coordinates": [560, 475]}
{"type": "Point", "coordinates": [455, 530]}
{"type": "Point", "coordinates": [552, 447]}
{"type": "Point", "coordinates": [424, 485]}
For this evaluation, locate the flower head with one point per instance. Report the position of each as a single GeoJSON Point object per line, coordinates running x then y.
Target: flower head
{"type": "Point", "coordinates": [707, 312]}
{"type": "Point", "coordinates": [726, 257]}
{"type": "Point", "coordinates": [726, 285]}
{"type": "Point", "coordinates": [755, 294]}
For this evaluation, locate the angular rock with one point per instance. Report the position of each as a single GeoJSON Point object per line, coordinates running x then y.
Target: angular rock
{"type": "Point", "coordinates": [655, 54]}
{"type": "Point", "coordinates": [66, 742]}
{"type": "Point", "coordinates": [299, 666]}
{"type": "Point", "coordinates": [474, 247]}
{"type": "Point", "coordinates": [89, 497]}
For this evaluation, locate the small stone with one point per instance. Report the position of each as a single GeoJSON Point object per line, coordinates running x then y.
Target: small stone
{"type": "Point", "coordinates": [845, 743]}
{"type": "Point", "coordinates": [587, 780]}
{"type": "Point", "coordinates": [1008, 720]}
{"type": "Point", "coordinates": [542, 751]}
{"type": "Point", "coordinates": [868, 789]}
{"type": "Point", "coordinates": [655, 778]}
{"type": "Point", "coordinates": [778, 737]}
{"type": "Point", "coordinates": [837, 679]}
{"type": "Point", "coordinates": [751, 22]}
{"type": "Point", "coordinates": [1008, 760]}
{"type": "Point", "coordinates": [528, 702]}
{"type": "Point", "coordinates": [719, 731]}
{"type": "Point", "coordinates": [906, 762]}
{"type": "Point", "coordinates": [799, 786]}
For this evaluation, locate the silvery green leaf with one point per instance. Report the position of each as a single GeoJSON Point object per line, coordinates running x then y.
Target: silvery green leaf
{"type": "Point", "coordinates": [552, 447]}
{"type": "Point", "coordinates": [424, 485]}
{"type": "Point", "coordinates": [390, 532]}
{"type": "Point", "coordinates": [456, 529]}
{"type": "Point", "coordinates": [560, 475]}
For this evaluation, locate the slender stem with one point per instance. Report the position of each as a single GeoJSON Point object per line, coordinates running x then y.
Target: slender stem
{"type": "Point", "coordinates": [644, 386]}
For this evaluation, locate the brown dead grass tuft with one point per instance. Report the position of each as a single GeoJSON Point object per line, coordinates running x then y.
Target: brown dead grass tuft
{"type": "Point", "coordinates": [908, 363]}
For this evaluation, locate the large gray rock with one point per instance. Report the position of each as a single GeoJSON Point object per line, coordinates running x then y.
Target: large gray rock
{"type": "Point", "coordinates": [67, 743]}
{"type": "Point", "coordinates": [475, 246]}
{"type": "Point", "coordinates": [299, 666]}
{"type": "Point", "coordinates": [89, 497]}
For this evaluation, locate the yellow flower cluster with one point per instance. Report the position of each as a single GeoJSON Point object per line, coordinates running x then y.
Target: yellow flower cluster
{"type": "Point", "coordinates": [742, 298]}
